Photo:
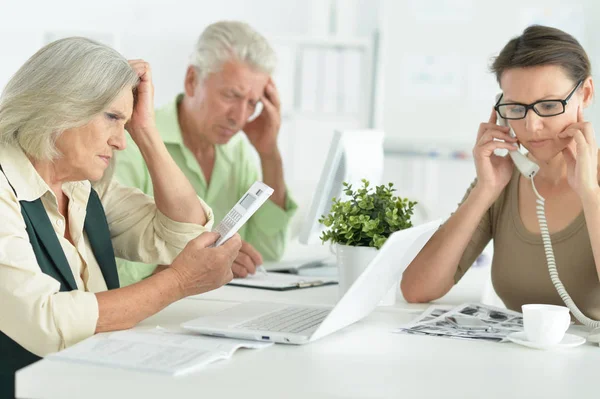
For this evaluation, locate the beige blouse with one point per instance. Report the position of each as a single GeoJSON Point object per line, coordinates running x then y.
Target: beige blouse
{"type": "Point", "coordinates": [33, 312]}
{"type": "Point", "coordinates": [519, 270]}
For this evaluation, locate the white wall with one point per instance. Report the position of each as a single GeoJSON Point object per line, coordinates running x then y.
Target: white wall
{"type": "Point", "coordinates": [436, 55]}
{"type": "Point", "coordinates": [437, 88]}
{"type": "Point", "coordinates": [163, 32]}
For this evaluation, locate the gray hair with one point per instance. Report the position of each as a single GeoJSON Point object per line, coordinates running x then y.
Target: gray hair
{"type": "Point", "coordinates": [232, 40]}
{"type": "Point", "coordinates": [62, 86]}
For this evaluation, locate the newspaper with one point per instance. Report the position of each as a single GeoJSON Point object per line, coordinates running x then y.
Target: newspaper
{"type": "Point", "coordinates": [467, 321]}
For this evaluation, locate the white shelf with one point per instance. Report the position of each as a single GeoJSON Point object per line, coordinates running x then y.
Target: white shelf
{"type": "Point", "coordinates": [325, 41]}
{"type": "Point", "coordinates": [427, 149]}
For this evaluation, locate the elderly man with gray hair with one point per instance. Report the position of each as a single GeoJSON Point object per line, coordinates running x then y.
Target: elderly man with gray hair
{"type": "Point", "coordinates": [227, 82]}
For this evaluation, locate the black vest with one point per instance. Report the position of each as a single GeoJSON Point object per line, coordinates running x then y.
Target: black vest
{"type": "Point", "coordinates": [52, 261]}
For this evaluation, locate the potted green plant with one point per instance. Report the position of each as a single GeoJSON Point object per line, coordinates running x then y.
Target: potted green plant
{"type": "Point", "coordinates": [360, 224]}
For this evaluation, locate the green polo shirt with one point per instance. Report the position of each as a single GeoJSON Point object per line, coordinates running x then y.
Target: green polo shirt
{"type": "Point", "coordinates": [234, 172]}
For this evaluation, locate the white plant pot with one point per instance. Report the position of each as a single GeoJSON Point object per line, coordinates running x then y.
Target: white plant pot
{"type": "Point", "coordinates": [351, 262]}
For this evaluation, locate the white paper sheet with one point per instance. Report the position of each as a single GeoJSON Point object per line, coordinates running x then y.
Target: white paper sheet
{"type": "Point", "coordinates": [157, 350]}
{"type": "Point", "coordinates": [279, 281]}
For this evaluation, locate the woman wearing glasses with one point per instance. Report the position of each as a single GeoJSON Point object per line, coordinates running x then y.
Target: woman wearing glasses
{"type": "Point", "coordinates": [545, 76]}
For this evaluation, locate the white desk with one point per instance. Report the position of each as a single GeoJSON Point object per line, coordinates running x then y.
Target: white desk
{"type": "Point", "coordinates": [364, 360]}
{"type": "Point", "coordinates": [469, 289]}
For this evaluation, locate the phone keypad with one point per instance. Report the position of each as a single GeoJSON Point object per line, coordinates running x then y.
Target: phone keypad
{"type": "Point", "coordinates": [230, 220]}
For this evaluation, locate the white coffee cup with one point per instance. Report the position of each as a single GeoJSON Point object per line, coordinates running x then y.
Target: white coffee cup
{"type": "Point", "coordinates": [545, 324]}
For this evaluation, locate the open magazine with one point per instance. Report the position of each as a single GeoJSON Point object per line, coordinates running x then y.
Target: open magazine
{"type": "Point", "coordinates": [467, 321]}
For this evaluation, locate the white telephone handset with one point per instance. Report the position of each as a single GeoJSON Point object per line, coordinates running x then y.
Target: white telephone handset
{"type": "Point", "coordinates": [528, 168]}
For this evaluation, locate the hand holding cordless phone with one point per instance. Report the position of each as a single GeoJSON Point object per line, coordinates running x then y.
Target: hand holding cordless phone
{"type": "Point", "coordinates": [254, 198]}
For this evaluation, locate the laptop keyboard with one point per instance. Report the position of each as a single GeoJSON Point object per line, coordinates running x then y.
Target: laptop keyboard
{"type": "Point", "coordinates": [291, 319]}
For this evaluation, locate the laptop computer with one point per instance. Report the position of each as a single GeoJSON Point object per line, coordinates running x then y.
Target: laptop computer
{"type": "Point", "coordinates": [300, 324]}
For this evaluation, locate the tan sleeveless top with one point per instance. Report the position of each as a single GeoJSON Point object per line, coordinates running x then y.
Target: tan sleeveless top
{"type": "Point", "coordinates": [519, 269]}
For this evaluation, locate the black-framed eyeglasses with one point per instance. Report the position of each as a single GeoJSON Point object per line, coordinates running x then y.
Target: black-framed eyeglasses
{"type": "Point", "coordinates": [543, 108]}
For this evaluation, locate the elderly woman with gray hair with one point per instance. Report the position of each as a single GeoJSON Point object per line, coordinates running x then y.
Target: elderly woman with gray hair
{"type": "Point", "coordinates": [62, 117]}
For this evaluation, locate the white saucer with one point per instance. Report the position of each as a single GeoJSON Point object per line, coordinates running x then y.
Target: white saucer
{"type": "Point", "coordinates": [568, 341]}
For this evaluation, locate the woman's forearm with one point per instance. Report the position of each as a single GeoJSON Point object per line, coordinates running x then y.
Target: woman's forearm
{"type": "Point", "coordinates": [173, 194]}
{"type": "Point", "coordinates": [123, 308]}
{"type": "Point", "coordinates": [431, 274]}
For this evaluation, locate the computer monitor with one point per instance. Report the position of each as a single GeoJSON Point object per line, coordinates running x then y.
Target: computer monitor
{"type": "Point", "coordinates": [353, 155]}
